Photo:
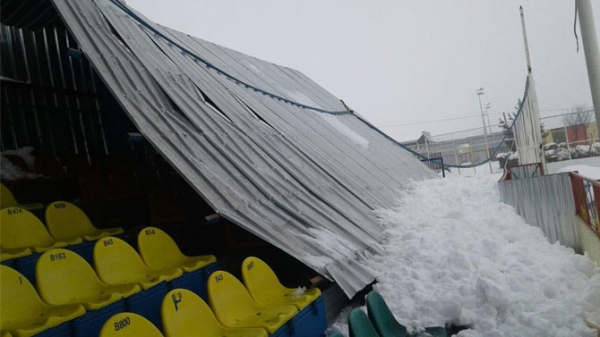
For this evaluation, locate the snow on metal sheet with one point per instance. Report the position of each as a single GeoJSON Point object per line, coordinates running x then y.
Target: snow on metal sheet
{"type": "Point", "coordinates": [304, 181]}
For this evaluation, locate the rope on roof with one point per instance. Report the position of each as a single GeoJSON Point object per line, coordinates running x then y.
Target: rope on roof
{"type": "Point", "coordinates": [217, 69]}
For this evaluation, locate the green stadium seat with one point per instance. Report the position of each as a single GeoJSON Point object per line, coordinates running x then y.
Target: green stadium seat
{"type": "Point", "coordinates": [185, 314]}
{"type": "Point", "coordinates": [63, 277]}
{"type": "Point", "coordinates": [265, 288]}
{"type": "Point", "coordinates": [359, 325]}
{"type": "Point", "coordinates": [66, 221]}
{"type": "Point", "coordinates": [160, 252]}
{"type": "Point", "coordinates": [234, 307]}
{"type": "Point", "coordinates": [386, 324]}
{"type": "Point", "coordinates": [23, 312]}
{"type": "Point", "coordinates": [128, 324]}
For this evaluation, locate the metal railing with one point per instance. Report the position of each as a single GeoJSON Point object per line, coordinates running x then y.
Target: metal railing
{"type": "Point", "coordinates": [436, 164]}
{"type": "Point", "coordinates": [587, 205]}
{"type": "Point", "coordinates": [523, 171]}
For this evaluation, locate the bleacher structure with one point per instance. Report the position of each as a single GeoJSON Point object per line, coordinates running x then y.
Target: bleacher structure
{"type": "Point", "coordinates": [153, 183]}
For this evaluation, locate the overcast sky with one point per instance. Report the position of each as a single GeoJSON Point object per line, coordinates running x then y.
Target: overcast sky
{"type": "Point", "coordinates": [404, 62]}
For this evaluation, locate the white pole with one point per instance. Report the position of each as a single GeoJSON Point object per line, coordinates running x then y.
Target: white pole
{"type": "Point", "coordinates": [525, 39]}
{"type": "Point", "coordinates": [487, 148]}
{"type": "Point", "coordinates": [590, 48]}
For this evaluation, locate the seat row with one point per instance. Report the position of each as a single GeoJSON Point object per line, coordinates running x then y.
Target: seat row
{"type": "Point", "coordinates": [22, 233]}
{"type": "Point", "coordinates": [261, 307]}
{"type": "Point", "coordinates": [63, 277]}
{"type": "Point", "coordinates": [381, 322]}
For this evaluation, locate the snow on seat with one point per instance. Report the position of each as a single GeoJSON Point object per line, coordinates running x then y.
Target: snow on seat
{"type": "Point", "coordinates": [63, 277]}
{"type": "Point", "coordinates": [23, 312]}
{"type": "Point", "coordinates": [234, 307]}
{"type": "Point", "coordinates": [128, 324]}
{"type": "Point", "coordinates": [116, 262]}
{"type": "Point", "coordinates": [186, 314]}
{"type": "Point", "coordinates": [386, 324]}
{"type": "Point", "coordinates": [265, 288]}
{"type": "Point", "coordinates": [66, 221]}
{"type": "Point", "coordinates": [21, 230]}
{"type": "Point", "coordinates": [360, 326]}
{"type": "Point", "coordinates": [159, 251]}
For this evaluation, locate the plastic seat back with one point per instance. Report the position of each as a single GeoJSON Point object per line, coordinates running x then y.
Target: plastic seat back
{"type": "Point", "coordinates": [128, 324]}
{"type": "Point", "coordinates": [265, 288]}
{"type": "Point", "coordinates": [359, 325]}
{"type": "Point", "coordinates": [185, 314]}
{"type": "Point", "coordinates": [7, 199]}
{"type": "Point", "coordinates": [116, 262]}
{"type": "Point", "coordinates": [229, 299]}
{"type": "Point", "coordinates": [22, 229]}
{"type": "Point", "coordinates": [261, 282]}
{"type": "Point", "coordinates": [382, 318]}
{"type": "Point", "coordinates": [158, 249]}
{"type": "Point", "coordinates": [66, 221]}
{"type": "Point", "coordinates": [19, 300]}
{"type": "Point", "coordinates": [63, 277]}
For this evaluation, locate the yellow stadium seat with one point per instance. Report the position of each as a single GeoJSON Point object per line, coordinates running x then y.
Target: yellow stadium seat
{"type": "Point", "coordinates": [128, 324]}
{"type": "Point", "coordinates": [159, 251]}
{"type": "Point", "coordinates": [185, 314]}
{"type": "Point", "coordinates": [63, 277]}
{"type": "Point", "coordinates": [23, 313]}
{"type": "Point", "coordinates": [116, 262]}
{"type": "Point", "coordinates": [66, 221]}
{"type": "Point", "coordinates": [5, 334]}
{"type": "Point", "coordinates": [7, 199]}
{"type": "Point", "coordinates": [265, 288]}
{"type": "Point", "coordinates": [20, 229]}
{"type": "Point", "coordinates": [234, 308]}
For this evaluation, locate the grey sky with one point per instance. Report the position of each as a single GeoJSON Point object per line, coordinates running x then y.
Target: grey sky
{"type": "Point", "coordinates": [401, 62]}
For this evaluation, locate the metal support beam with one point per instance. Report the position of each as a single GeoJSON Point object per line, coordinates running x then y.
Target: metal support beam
{"type": "Point", "coordinates": [590, 48]}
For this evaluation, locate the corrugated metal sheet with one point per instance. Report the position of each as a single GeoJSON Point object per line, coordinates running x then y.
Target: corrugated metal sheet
{"type": "Point", "coordinates": [305, 181]}
{"type": "Point", "coordinates": [545, 202]}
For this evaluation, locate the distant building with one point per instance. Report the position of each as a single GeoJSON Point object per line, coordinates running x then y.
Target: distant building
{"type": "Point", "coordinates": [457, 151]}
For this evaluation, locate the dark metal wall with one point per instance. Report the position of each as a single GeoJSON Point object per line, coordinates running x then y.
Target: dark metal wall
{"type": "Point", "coordinates": [50, 94]}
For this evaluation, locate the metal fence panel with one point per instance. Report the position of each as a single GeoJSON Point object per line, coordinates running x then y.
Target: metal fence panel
{"type": "Point", "coordinates": [545, 202]}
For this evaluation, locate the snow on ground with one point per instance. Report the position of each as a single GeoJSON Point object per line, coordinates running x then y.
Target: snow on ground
{"type": "Point", "coordinates": [589, 161]}
{"type": "Point", "coordinates": [592, 172]}
{"type": "Point", "coordinates": [455, 254]}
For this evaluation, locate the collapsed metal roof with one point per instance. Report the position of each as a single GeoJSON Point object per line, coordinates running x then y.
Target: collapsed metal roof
{"type": "Point", "coordinates": [305, 180]}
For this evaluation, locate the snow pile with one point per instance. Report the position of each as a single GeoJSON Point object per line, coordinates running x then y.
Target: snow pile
{"type": "Point", "coordinates": [455, 254]}
{"type": "Point", "coordinates": [592, 172]}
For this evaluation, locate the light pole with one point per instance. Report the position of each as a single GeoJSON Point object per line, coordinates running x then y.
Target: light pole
{"type": "Point", "coordinates": [479, 93]}
{"type": "Point", "coordinates": [488, 106]}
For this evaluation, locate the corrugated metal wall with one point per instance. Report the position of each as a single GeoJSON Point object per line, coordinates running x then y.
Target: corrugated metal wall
{"type": "Point", "coordinates": [545, 202]}
{"type": "Point", "coordinates": [50, 101]}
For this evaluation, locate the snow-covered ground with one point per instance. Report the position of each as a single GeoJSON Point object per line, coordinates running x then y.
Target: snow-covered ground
{"type": "Point", "coordinates": [590, 161]}
{"type": "Point", "coordinates": [455, 254]}
{"type": "Point", "coordinates": [592, 172]}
